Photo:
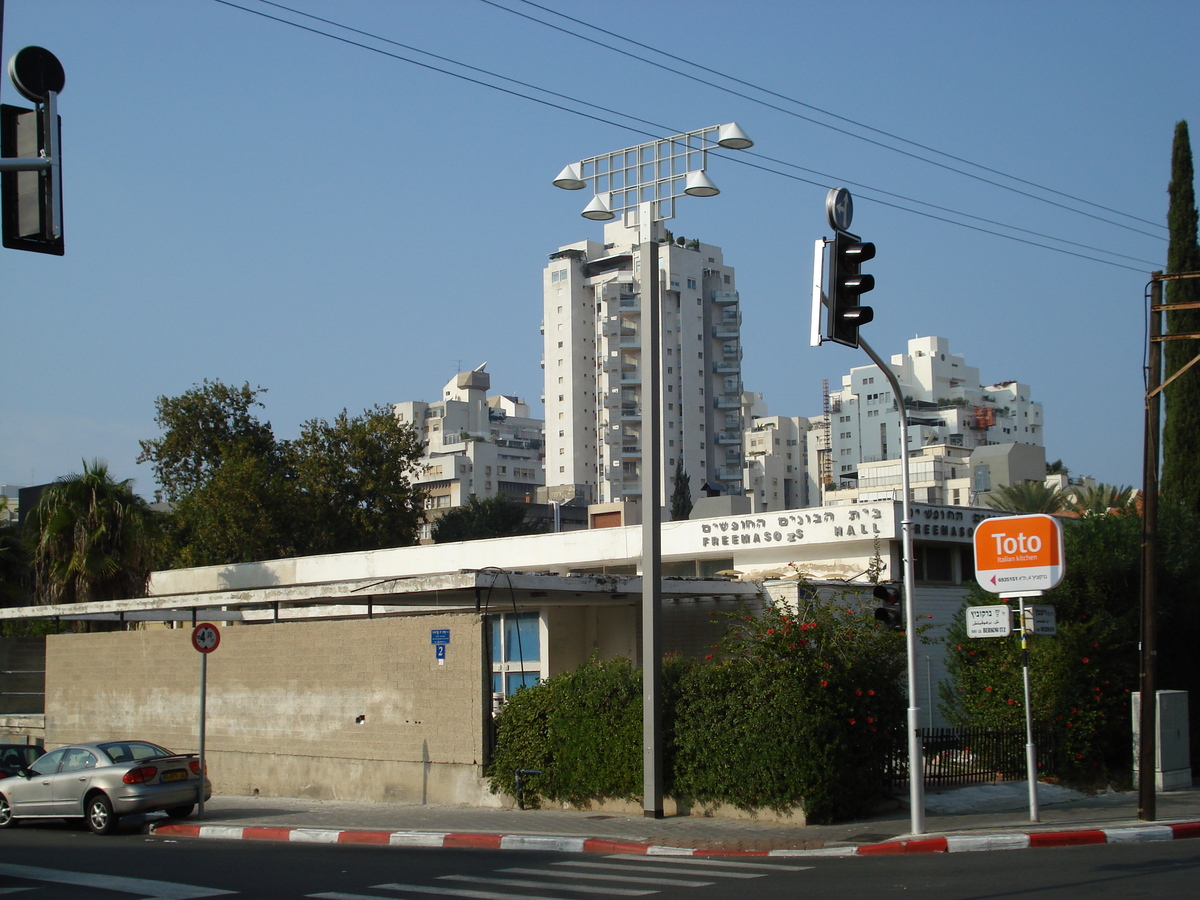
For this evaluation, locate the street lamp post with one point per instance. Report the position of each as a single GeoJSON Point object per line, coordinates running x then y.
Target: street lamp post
{"type": "Point", "coordinates": [641, 184]}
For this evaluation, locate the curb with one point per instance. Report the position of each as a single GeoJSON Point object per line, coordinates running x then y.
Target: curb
{"type": "Point", "coordinates": [957, 843]}
{"type": "Point", "coordinates": [954, 843]}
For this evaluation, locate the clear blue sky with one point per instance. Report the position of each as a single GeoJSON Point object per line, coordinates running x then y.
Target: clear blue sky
{"type": "Point", "coordinates": [247, 201]}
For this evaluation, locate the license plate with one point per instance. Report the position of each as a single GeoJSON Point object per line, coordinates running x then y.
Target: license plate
{"type": "Point", "coordinates": [175, 775]}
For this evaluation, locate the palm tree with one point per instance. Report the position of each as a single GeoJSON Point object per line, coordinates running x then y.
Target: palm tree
{"type": "Point", "coordinates": [91, 538]}
{"type": "Point", "coordinates": [1098, 500]}
{"type": "Point", "coordinates": [1026, 497]}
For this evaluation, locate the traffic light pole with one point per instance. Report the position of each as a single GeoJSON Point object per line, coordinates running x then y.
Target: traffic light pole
{"type": "Point", "coordinates": [916, 765]}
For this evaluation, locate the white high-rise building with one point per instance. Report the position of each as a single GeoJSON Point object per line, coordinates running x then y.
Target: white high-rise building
{"type": "Point", "coordinates": [594, 297]}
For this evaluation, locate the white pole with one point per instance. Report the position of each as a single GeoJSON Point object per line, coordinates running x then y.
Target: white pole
{"type": "Point", "coordinates": [1030, 750]}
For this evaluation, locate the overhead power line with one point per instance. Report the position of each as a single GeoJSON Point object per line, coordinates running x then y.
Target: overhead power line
{"type": "Point", "coordinates": [659, 129]}
{"type": "Point", "coordinates": [824, 112]}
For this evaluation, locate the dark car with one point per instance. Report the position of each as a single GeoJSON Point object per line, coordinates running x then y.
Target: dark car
{"type": "Point", "coordinates": [103, 781]}
{"type": "Point", "coordinates": [15, 757]}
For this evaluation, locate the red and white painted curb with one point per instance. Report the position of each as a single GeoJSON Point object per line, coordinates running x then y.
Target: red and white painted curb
{"type": "Point", "coordinates": [953, 843]}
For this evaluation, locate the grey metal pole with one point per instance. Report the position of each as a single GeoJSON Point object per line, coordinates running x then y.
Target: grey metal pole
{"type": "Point", "coordinates": [916, 765]}
{"type": "Point", "coordinates": [203, 696]}
{"type": "Point", "coordinates": [652, 751]}
{"type": "Point", "coordinates": [1148, 683]}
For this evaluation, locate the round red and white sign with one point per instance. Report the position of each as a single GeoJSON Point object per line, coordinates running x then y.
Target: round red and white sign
{"type": "Point", "coordinates": [205, 637]}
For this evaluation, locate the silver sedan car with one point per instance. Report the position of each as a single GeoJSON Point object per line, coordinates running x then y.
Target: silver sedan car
{"type": "Point", "coordinates": [101, 782]}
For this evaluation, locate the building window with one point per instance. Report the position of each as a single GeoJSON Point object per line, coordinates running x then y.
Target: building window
{"type": "Point", "coordinates": [516, 653]}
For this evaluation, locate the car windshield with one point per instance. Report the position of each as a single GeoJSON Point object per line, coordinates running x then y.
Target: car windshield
{"type": "Point", "coordinates": [133, 751]}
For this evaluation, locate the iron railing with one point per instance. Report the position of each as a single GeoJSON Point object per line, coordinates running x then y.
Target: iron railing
{"type": "Point", "coordinates": [960, 756]}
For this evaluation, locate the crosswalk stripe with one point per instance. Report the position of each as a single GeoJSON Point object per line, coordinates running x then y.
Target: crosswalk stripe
{"type": "Point", "coordinates": [455, 892]}
{"type": "Point", "coordinates": [578, 888]}
{"type": "Point", "coordinates": [711, 861]}
{"type": "Point", "coordinates": [629, 879]}
{"type": "Point", "coordinates": [662, 869]}
{"type": "Point", "coordinates": [143, 887]}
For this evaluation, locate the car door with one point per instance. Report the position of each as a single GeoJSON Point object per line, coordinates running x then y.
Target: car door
{"type": "Point", "coordinates": [72, 781]}
{"type": "Point", "coordinates": [33, 796]}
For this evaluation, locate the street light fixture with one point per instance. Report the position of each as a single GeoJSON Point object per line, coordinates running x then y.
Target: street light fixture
{"type": "Point", "coordinates": [641, 184]}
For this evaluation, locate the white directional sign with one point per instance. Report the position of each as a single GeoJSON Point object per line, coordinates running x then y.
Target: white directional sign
{"type": "Point", "coordinates": [989, 621]}
{"type": "Point", "coordinates": [1040, 620]}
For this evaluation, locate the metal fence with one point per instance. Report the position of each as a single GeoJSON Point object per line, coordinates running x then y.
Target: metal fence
{"type": "Point", "coordinates": [960, 756]}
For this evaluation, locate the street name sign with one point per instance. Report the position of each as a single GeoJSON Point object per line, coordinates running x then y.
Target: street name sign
{"type": "Point", "coordinates": [989, 621]}
{"type": "Point", "coordinates": [1017, 554]}
{"type": "Point", "coordinates": [1040, 619]}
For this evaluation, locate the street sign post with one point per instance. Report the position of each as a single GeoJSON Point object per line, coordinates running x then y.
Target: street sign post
{"type": "Point", "coordinates": [1040, 621]}
{"type": "Point", "coordinates": [206, 637]}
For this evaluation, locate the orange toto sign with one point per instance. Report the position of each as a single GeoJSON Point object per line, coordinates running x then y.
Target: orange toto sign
{"type": "Point", "coordinates": [1019, 553]}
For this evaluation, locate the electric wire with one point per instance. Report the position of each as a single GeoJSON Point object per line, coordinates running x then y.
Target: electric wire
{"type": "Point", "coordinates": [654, 135]}
{"type": "Point", "coordinates": [825, 112]}
{"type": "Point", "coordinates": [660, 128]}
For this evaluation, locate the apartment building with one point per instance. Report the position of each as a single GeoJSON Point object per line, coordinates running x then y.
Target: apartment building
{"type": "Point", "coordinates": [594, 323]}
{"type": "Point", "coordinates": [475, 445]}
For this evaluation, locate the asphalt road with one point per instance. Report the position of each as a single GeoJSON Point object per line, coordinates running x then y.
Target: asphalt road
{"type": "Point", "coordinates": [64, 863]}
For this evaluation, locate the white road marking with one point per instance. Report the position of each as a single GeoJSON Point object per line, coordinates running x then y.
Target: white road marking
{"type": "Point", "coordinates": [661, 869]}
{"type": "Point", "coordinates": [578, 888]}
{"type": "Point", "coordinates": [454, 892]}
{"type": "Point", "coordinates": [143, 887]}
{"type": "Point", "coordinates": [712, 861]}
{"type": "Point", "coordinates": [631, 879]}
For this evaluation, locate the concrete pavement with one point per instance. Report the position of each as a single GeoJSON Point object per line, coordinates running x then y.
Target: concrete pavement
{"type": "Point", "coordinates": [988, 817]}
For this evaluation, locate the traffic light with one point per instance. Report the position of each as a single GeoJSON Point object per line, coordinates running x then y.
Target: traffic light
{"type": "Point", "coordinates": [847, 283]}
{"type": "Point", "coordinates": [891, 614]}
{"type": "Point", "coordinates": [30, 156]}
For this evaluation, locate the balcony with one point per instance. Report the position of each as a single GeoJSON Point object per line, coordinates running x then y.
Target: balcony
{"type": "Point", "coordinates": [631, 450]}
{"type": "Point", "coordinates": [631, 412]}
{"type": "Point", "coordinates": [724, 332]}
{"type": "Point", "coordinates": [634, 377]}
{"type": "Point", "coordinates": [631, 303]}
{"type": "Point", "coordinates": [724, 296]}
{"type": "Point", "coordinates": [729, 367]}
{"type": "Point", "coordinates": [731, 316]}
{"type": "Point", "coordinates": [727, 403]}
{"type": "Point", "coordinates": [728, 437]}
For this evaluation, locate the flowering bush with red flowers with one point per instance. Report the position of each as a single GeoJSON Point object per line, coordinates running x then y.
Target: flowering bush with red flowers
{"type": "Point", "coordinates": [770, 720]}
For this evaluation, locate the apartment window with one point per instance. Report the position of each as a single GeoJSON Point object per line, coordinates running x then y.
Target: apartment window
{"type": "Point", "coordinates": [691, 283]}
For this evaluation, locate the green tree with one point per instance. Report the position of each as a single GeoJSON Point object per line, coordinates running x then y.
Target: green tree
{"type": "Point", "coordinates": [225, 475]}
{"type": "Point", "coordinates": [497, 516]}
{"type": "Point", "coordinates": [240, 495]}
{"type": "Point", "coordinates": [92, 538]}
{"type": "Point", "coordinates": [1026, 497]}
{"type": "Point", "coordinates": [14, 564]}
{"type": "Point", "coordinates": [1181, 424]}
{"type": "Point", "coordinates": [355, 478]}
{"type": "Point", "coordinates": [681, 495]}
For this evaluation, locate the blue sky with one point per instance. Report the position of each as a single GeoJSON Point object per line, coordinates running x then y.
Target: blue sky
{"type": "Point", "coordinates": [250, 202]}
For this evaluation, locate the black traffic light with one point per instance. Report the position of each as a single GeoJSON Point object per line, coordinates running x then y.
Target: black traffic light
{"type": "Point", "coordinates": [846, 285]}
{"type": "Point", "coordinates": [30, 155]}
{"type": "Point", "coordinates": [891, 614]}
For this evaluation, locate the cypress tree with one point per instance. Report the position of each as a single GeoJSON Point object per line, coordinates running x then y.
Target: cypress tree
{"type": "Point", "coordinates": [1181, 426]}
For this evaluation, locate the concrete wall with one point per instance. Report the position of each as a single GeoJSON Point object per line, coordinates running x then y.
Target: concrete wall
{"type": "Point", "coordinates": [284, 703]}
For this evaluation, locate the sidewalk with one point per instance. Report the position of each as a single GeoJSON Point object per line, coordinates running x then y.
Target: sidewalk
{"type": "Point", "coordinates": [986, 817]}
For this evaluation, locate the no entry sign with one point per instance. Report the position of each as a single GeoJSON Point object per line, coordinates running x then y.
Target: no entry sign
{"type": "Point", "coordinates": [1019, 553]}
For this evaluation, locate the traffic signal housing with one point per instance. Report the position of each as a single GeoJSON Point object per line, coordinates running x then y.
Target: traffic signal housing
{"type": "Point", "coordinates": [891, 614]}
{"type": "Point", "coordinates": [847, 284]}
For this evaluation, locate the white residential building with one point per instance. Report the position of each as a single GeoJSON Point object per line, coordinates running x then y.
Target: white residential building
{"type": "Point", "coordinates": [475, 444]}
{"type": "Point", "coordinates": [777, 451]}
{"type": "Point", "coordinates": [951, 416]}
{"type": "Point", "coordinates": [594, 322]}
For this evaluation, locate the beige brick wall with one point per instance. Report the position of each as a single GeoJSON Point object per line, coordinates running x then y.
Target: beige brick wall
{"type": "Point", "coordinates": [283, 702]}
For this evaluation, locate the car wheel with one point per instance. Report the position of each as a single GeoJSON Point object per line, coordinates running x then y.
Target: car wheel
{"type": "Point", "coordinates": [100, 816]}
{"type": "Point", "coordinates": [6, 816]}
{"type": "Point", "coordinates": [181, 812]}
